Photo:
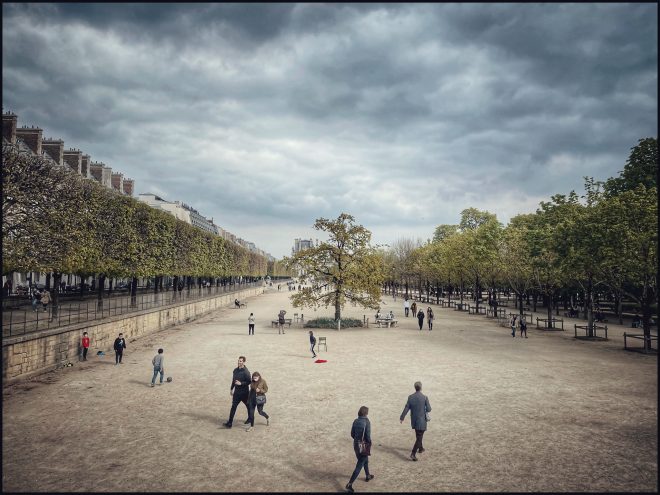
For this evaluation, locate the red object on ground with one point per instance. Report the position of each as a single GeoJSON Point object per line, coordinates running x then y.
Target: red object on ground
{"type": "Point", "coordinates": [320, 361]}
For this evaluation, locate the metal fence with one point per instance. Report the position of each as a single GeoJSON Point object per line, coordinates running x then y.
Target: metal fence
{"type": "Point", "coordinates": [23, 321]}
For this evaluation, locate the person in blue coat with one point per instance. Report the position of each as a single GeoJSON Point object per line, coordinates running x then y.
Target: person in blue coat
{"type": "Point", "coordinates": [361, 429]}
{"type": "Point", "coordinates": [418, 405]}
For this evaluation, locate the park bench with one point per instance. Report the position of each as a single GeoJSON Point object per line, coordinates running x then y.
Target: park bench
{"type": "Point", "coordinates": [386, 321]}
{"type": "Point", "coordinates": [595, 328]}
{"type": "Point", "coordinates": [551, 325]}
{"type": "Point", "coordinates": [276, 322]}
{"type": "Point", "coordinates": [638, 336]}
{"type": "Point", "coordinates": [474, 309]}
{"type": "Point", "coordinates": [462, 307]}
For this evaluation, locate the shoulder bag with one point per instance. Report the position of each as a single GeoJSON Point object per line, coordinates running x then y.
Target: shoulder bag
{"type": "Point", "coordinates": [364, 448]}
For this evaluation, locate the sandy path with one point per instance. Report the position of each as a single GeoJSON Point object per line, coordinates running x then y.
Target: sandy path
{"type": "Point", "coordinates": [546, 413]}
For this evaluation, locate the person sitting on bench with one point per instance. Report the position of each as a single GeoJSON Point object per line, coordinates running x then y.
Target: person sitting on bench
{"type": "Point", "coordinates": [637, 321]}
{"type": "Point", "coordinates": [237, 303]}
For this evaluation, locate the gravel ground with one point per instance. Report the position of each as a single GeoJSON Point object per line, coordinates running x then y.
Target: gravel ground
{"type": "Point", "coordinates": [547, 413]}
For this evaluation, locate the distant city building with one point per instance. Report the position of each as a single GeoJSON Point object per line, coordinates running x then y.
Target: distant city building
{"type": "Point", "coordinates": [300, 244]}
{"type": "Point", "coordinates": [30, 140]}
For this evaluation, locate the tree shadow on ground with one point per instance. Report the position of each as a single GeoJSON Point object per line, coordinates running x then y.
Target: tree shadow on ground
{"type": "Point", "coordinates": [215, 420]}
{"type": "Point", "coordinates": [402, 453]}
{"type": "Point", "coordinates": [314, 473]}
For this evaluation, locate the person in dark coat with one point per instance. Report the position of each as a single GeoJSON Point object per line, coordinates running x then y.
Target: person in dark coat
{"type": "Point", "coordinates": [119, 346]}
{"type": "Point", "coordinates": [312, 343]}
{"type": "Point", "coordinates": [239, 389]}
{"type": "Point", "coordinates": [361, 429]}
{"type": "Point", "coordinates": [420, 318]}
{"type": "Point", "coordinates": [418, 405]}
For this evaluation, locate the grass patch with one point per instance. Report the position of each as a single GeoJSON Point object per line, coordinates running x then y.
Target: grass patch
{"type": "Point", "coordinates": [331, 323]}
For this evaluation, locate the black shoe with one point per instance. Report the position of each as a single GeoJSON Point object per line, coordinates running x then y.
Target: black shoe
{"type": "Point", "coordinates": [421, 451]}
{"type": "Point", "coordinates": [247, 421]}
{"type": "Point", "coordinates": [370, 477]}
{"type": "Point", "coordinates": [349, 487]}
{"type": "Point", "coordinates": [227, 425]}
{"type": "Point", "coordinates": [413, 457]}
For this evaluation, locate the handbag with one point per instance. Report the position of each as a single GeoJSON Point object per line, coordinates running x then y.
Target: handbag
{"type": "Point", "coordinates": [364, 448]}
{"type": "Point", "coordinates": [428, 416]}
{"type": "Point", "coordinates": [261, 400]}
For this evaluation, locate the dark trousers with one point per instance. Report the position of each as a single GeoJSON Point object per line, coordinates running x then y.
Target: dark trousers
{"type": "Point", "coordinates": [250, 328]}
{"type": "Point", "coordinates": [85, 349]}
{"type": "Point", "coordinates": [118, 355]}
{"type": "Point", "coordinates": [234, 404]}
{"type": "Point", "coordinates": [430, 324]}
{"type": "Point", "coordinates": [407, 310]}
{"type": "Point", "coordinates": [419, 434]}
{"type": "Point", "coordinates": [311, 348]}
{"type": "Point", "coordinates": [421, 323]}
{"type": "Point", "coordinates": [259, 408]}
{"type": "Point", "coordinates": [362, 462]}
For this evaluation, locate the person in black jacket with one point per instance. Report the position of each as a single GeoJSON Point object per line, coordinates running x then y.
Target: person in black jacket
{"type": "Point", "coordinates": [312, 343]}
{"type": "Point", "coordinates": [239, 389]}
{"type": "Point", "coordinates": [361, 430]}
{"type": "Point", "coordinates": [120, 345]}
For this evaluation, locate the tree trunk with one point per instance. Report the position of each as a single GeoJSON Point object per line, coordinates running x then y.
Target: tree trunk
{"type": "Point", "coordinates": [477, 294]}
{"type": "Point", "coordinates": [534, 299]}
{"type": "Point", "coordinates": [55, 296]}
{"type": "Point", "coordinates": [548, 298]}
{"type": "Point", "coordinates": [134, 282]}
{"type": "Point", "coordinates": [588, 307]}
{"type": "Point", "coordinates": [48, 281]}
{"type": "Point", "coordinates": [338, 304]}
{"type": "Point", "coordinates": [99, 296]}
{"type": "Point", "coordinates": [110, 285]}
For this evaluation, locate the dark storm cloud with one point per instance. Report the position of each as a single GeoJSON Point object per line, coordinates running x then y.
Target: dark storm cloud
{"type": "Point", "coordinates": [402, 114]}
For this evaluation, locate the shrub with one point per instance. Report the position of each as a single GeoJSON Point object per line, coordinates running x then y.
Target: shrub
{"type": "Point", "coordinates": [331, 323]}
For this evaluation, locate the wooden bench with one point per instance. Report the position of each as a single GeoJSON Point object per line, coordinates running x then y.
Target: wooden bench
{"type": "Point", "coordinates": [386, 321]}
{"type": "Point", "coordinates": [277, 322]}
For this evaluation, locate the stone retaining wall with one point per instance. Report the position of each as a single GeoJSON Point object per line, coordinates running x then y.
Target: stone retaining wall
{"type": "Point", "coordinates": [28, 355]}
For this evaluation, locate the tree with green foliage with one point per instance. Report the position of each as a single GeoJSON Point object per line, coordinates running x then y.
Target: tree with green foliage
{"type": "Point", "coordinates": [641, 168]}
{"type": "Point", "coordinates": [343, 268]}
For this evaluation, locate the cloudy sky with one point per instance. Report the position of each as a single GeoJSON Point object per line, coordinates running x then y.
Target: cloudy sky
{"type": "Point", "coordinates": [266, 117]}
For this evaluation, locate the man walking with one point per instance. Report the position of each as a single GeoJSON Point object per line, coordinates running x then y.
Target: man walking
{"type": "Point", "coordinates": [406, 306]}
{"type": "Point", "coordinates": [157, 361]}
{"type": "Point", "coordinates": [251, 324]}
{"type": "Point", "coordinates": [85, 346]}
{"type": "Point", "coordinates": [418, 405]}
{"type": "Point", "coordinates": [239, 389]}
{"type": "Point", "coordinates": [119, 345]}
{"type": "Point", "coordinates": [281, 322]}
{"type": "Point", "coordinates": [312, 343]}
{"type": "Point", "coordinates": [420, 319]}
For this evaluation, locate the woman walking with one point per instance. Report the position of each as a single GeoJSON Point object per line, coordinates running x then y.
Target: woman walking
{"type": "Point", "coordinates": [513, 325]}
{"type": "Point", "coordinates": [413, 308]}
{"type": "Point", "coordinates": [361, 432]}
{"type": "Point", "coordinates": [45, 299]}
{"type": "Point", "coordinates": [429, 317]}
{"type": "Point", "coordinates": [257, 399]}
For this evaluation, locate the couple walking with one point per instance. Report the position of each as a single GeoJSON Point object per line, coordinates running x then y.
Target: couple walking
{"type": "Point", "coordinates": [429, 315]}
{"type": "Point", "coordinates": [419, 407]}
{"type": "Point", "coordinates": [250, 390]}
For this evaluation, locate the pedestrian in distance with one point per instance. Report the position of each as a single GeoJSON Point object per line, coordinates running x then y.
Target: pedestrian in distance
{"type": "Point", "coordinates": [157, 361]}
{"type": "Point", "coordinates": [429, 317]}
{"type": "Point", "coordinates": [361, 432]}
{"type": "Point", "coordinates": [251, 324]}
{"type": "Point", "coordinates": [419, 407]}
{"type": "Point", "coordinates": [523, 327]}
{"type": "Point", "coordinates": [420, 319]}
{"type": "Point", "coordinates": [239, 389]}
{"type": "Point", "coordinates": [237, 303]}
{"type": "Point", "coordinates": [413, 308]}
{"type": "Point", "coordinates": [513, 325]}
{"type": "Point", "coordinates": [119, 346]}
{"type": "Point", "coordinates": [45, 299]}
{"type": "Point", "coordinates": [36, 298]}
{"type": "Point", "coordinates": [257, 399]}
{"type": "Point", "coordinates": [85, 346]}
{"type": "Point", "coordinates": [312, 343]}
{"type": "Point", "coordinates": [406, 306]}
{"type": "Point", "coordinates": [280, 322]}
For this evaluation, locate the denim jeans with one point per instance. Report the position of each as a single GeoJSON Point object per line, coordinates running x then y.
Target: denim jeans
{"type": "Point", "coordinates": [311, 348]}
{"type": "Point", "coordinates": [156, 371]}
{"type": "Point", "coordinates": [362, 462]}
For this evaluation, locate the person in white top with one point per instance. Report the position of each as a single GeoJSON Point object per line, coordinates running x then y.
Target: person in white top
{"type": "Point", "coordinates": [251, 324]}
{"type": "Point", "coordinates": [406, 306]}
